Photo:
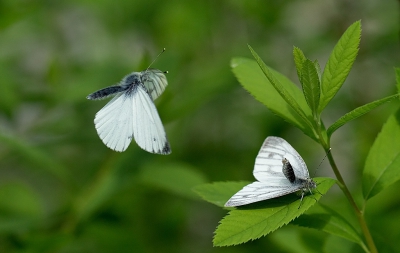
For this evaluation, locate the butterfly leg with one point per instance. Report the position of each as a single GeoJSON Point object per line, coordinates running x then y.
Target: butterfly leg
{"type": "Point", "coordinates": [301, 200]}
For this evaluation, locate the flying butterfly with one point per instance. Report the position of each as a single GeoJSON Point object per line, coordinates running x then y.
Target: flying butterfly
{"type": "Point", "coordinates": [131, 114]}
{"type": "Point", "coordinates": [280, 170]}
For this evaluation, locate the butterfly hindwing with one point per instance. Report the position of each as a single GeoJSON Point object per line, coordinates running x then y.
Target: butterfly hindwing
{"type": "Point", "coordinates": [114, 122]}
{"type": "Point", "coordinates": [148, 129]}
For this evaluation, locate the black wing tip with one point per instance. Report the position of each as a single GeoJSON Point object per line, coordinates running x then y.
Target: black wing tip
{"type": "Point", "coordinates": [166, 149]}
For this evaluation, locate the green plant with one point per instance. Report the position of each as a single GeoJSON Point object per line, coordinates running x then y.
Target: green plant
{"type": "Point", "coordinates": [303, 110]}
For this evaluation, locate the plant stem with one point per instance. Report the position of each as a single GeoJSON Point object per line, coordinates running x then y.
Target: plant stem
{"type": "Point", "coordinates": [359, 214]}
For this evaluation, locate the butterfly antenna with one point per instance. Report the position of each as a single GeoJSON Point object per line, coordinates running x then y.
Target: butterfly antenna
{"type": "Point", "coordinates": [156, 59]}
{"type": "Point", "coordinates": [322, 161]}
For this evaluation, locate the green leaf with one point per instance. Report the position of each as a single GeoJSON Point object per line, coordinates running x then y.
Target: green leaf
{"type": "Point", "coordinates": [357, 113]}
{"type": "Point", "coordinates": [310, 84]}
{"type": "Point", "coordinates": [325, 219]}
{"type": "Point", "coordinates": [254, 81]}
{"type": "Point", "coordinates": [318, 68]}
{"type": "Point", "coordinates": [397, 70]}
{"type": "Point", "coordinates": [339, 63]}
{"type": "Point", "coordinates": [299, 59]}
{"type": "Point", "coordinates": [219, 193]}
{"type": "Point", "coordinates": [252, 221]}
{"type": "Point", "coordinates": [178, 178]}
{"type": "Point", "coordinates": [383, 160]}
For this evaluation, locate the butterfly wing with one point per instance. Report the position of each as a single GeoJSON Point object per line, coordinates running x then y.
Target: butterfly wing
{"type": "Point", "coordinates": [259, 191]}
{"type": "Point", "coordinates": [268, 165]}
{"type": "Point", "coordinates": [154, 81]}
{"type": "Point", "coordinates": [114, 122]}
{"type": "Point", "coordinates": [148, 129]}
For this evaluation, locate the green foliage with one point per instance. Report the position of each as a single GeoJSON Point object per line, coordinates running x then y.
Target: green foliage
{"type": "Point", "coordinates": [290, 98]}
{"type": "Point", "coordinates": [254, 81]}
{"type": "Point", "coordinates": [326, 219]}
{"type": "Point", "coordinates": [383, 160]}
{"type": "Point", "coordinates": [310, 83]}
{"type": "Point", "coordinates": [358, 112]}
{"type": "Point", "coordinates": [397, 70]}
{"type": "Point", "coordinates": [339, 63]}
{"type": "Point", "coordinates": [299, 59]}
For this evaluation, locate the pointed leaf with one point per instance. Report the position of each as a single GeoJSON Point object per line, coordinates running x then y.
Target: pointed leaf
{"type": "Point", "coordinates": [357, 113]}
{"type": "Point", "coordinates": [339, 64]}
{"type": "Point", "coordinates": [310, 84]}
{"type": "Point", "coordinates": [253, 221]}
{"type": "Point", "coordinates": [325, 219]}
{"type": "Point", "coordinates": [397, 70]}
{"type": "Point", "coordinates": [299, 59]}
{"type": "Point", "coordinates": [219, 193]}
{"type": "Point", "coordinates": [318, 68]}
{"type": "Point", "coordinates": [383, 160]}
{"type": "Point", "coordinates": [283, 92]}
{"type": "Point", "coordinates": [254, 81]}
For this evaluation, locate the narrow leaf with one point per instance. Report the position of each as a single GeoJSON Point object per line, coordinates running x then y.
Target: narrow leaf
{"type": "Point", "coordinates": [357, 113]}
{"type": "Point", "coordinates": [290, 100]}
{"type": "Point", "coordinates": [219, 193]}
{"type": "Point", "coordinates": [383, 160]}
{"type": "Point", "coordinates": [318, 68]}
{"type": "Point", "coordinates": [397, 70]}
{"type": "Point", "coordinates": [253, 221]}
{"type": "Point", "coordinates": [299, 59]}
{"type": "Point", "coordinates": [339, 63]}
{"type": "Point", "coordinates": [325, 219]}
{"type": "Point", "coordinates": [254, 81]}
{"type": "Point", "coordinates": [310, 84]}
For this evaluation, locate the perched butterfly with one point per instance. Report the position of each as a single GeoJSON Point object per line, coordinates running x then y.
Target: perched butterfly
{"type": "Point", "coordinates": [280, 170]}
{"type": "Point", "coordinates": [131, 114]}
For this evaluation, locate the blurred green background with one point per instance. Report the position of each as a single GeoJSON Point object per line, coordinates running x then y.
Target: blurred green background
{"type": "Point", "coordinates": [63, 190]}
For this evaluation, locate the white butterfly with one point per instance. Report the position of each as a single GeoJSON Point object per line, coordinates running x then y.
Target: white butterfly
{"type": "Point", "coordinates": [279, 169]}
{"type": "Point", "coordinates": [132, 113]}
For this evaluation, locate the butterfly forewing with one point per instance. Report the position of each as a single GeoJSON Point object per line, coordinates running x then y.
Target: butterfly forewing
{"type": "Point", "coordinates": [269, 160]}
{"type": "Point", "coordinates": [154, 81]}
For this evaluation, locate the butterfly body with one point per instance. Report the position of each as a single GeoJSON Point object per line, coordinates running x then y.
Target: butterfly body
{"type": "Point", "coordinates": [131, 114]}
{"type": "Point", "coordinates": [279, 171]}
